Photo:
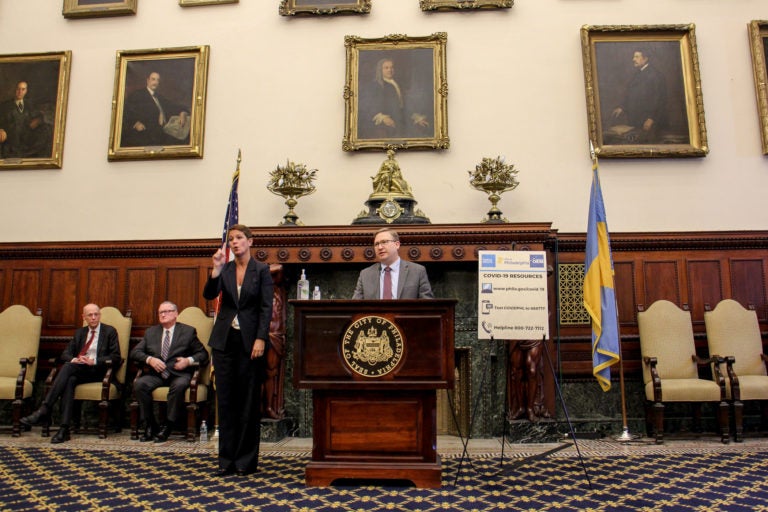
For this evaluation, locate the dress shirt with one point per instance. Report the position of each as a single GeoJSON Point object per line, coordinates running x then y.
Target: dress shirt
{"type": "Point", "coordinates": [93, 349]}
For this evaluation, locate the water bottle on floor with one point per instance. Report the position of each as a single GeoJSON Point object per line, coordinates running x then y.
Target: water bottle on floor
{"type": "Point", "coordinates": [203, 432]}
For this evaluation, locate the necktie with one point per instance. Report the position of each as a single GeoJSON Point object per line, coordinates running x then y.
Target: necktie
{"type": "Point", "coordinates": [164, 351]}
{"type": "Point", "coordinates": [387, 283]}
{"type": "Point", "coordinates": [20, 106]}
{"type": "Point", "coordinates": [161, 115]}
{"type": "Point", "coordinates": [88, 343]}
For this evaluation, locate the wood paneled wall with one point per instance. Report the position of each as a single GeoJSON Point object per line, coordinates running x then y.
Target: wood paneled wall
{"type": "Point", "coordinates": [691, 268]}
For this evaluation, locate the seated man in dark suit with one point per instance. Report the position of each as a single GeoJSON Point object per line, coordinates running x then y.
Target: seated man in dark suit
{"type": "Point", "coordinates": [169, 350]}
{"type": "Point", "coordinates": [392, 277]}
{"type": "Point", "coordinates": [85, 360]}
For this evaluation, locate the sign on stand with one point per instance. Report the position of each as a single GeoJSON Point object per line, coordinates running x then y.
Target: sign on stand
{"type": "Point", "coordinates": [512, 295]}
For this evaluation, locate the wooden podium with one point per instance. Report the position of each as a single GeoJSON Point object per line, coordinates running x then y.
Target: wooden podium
{"type": "Point", "coordinates": [373, 367]}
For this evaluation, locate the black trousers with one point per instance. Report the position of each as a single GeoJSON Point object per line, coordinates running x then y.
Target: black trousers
{"type": "Point", "coordinates": [238, 381]}
{"type": "Point", "coordinates": [69, 376]}
{"type": "Point", "coordinates": [177, 388]}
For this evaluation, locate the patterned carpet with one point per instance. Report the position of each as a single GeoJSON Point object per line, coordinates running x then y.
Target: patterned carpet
{"type": "Point", "coordinates": [119, 474]}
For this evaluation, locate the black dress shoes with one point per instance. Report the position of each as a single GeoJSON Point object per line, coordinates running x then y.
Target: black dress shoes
{"type": "Point", "coordinates": [148, 435]}
{"type": "Point", "coordinates": [37, 417]}
{"type": "Point", "coordinates": [225, 471]}
{"type": "Point", "coordinates": [163, 435]}
{"type": "Point", "coordinates": [61, 435]}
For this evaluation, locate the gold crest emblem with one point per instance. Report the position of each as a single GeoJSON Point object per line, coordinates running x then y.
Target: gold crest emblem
{"type": "Point", "coordinates": [372, 346]}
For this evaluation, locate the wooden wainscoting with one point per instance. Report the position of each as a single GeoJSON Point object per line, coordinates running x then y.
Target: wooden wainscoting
{"type": "Point", "coordinates": [691, 268]}
{"type": "Point", "coordinates": [694, 268]}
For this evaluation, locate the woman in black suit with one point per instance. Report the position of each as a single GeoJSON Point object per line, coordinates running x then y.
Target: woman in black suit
{"type": "Point", "coordinates": [239, 342]}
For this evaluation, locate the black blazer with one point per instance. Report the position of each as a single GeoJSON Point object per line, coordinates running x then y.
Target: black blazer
{"type": "Point", "coordinates": [253, 309]}
{"type": "Point", "coordinates": [108, 348]}
{"type": "Point", "coordinates": [184, 343]}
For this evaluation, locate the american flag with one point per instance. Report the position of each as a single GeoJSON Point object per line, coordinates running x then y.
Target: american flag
{"type": "Point", "coordinates": [233, 212]}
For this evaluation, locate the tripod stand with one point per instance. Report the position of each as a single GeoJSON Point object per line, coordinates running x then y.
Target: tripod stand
{"type": "Point", "coordinates": [465, 442]}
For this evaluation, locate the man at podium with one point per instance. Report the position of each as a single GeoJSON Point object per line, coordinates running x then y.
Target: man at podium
{"type": "Point", "coordinates": [392, 277]}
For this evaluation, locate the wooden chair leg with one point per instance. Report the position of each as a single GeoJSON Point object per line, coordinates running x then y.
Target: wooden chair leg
{"type": "Point", "coordinates": [649, 431]}
{"type": "Point", "coordinates": [16, 430]}
{"type": "Point", "coordinates": [103, 418]}
{"type": "Point", "coordinates": [134, 406]}
{"type": "Point", "coordinates": [722, 415]}
{"type": "Point", "coordinates": [191, 422]}
{"type": "Point", "coordinates": [658, 418]}
{"type": "Point", "coordinates": [738, 421]}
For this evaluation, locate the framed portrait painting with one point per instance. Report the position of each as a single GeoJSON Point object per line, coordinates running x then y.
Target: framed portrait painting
{"type": "Point", "coordinates": [445, 5]}
{"type": "Point", "coordinates": [98, 8]}
{"type": "Point", "coordinates": [758, 39]}
{"type": "Point", "coordinates": [396, 93]}
{"type": "Point", "coordinates": [322, 7]}
{"type": "Point", "coordinates": [191, 3]}
{"type": "Point", "coordinates": [643, 91]}
{"type": "Point", "coordinates": [33, 108]}
{"type": "Point", "coordinates": [158, 106]}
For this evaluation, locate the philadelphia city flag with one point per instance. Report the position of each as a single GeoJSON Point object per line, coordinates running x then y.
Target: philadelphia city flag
{"type": "Point", "coordinates": [599, 295]}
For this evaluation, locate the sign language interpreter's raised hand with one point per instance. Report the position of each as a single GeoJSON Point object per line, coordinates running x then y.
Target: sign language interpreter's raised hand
{"type": "Point", "coordinates": [219, 259]}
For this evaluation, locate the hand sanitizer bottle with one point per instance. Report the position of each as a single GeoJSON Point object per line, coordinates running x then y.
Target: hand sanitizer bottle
{"type": "Point", "coordinates": [316, 293]}
{"type": "Point", "coordinates": [302, 287]}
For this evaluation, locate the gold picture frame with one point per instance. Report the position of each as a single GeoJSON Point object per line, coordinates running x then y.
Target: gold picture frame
{"type": "Point", "coordinates": [643, 91]}
{"type": "Point", "coordinates": [758, 39]}
{"type": "Point", "coordinates": [412, 113]}
{"type": "Point", "coordinates": [172, 123]}
{"type": "Point", "coordinates": [193, 3]}
{"type": "Point", "coordinates": [323, 7]}
{"type": "Point", "coordinates": [34, 88]}
{"type": "Point", "coordinates": [98, 8]}
{"type": "Point", "coordinates": [444, 5]}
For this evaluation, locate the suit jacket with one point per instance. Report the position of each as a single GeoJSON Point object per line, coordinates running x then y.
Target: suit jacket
{"type": "Point", "coordinates": [184, 343]}
{"type": "Point", "coordinates": [108, 348]}
{"type": "Point", "coordinates": [253, 308]}
{"type": "Point", "coordinates": [23, 141]}
{"type": "Point", "coordinates": [140, 107]}
{"type": "Point", "coordinates": [411, 284]}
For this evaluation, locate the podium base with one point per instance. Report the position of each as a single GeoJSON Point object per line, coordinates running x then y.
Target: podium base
{"type": "Point", "coordinates": [424, 475]}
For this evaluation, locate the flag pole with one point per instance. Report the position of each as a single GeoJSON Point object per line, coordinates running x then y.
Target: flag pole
{"type": "Point", "coordinates": [625, 435]}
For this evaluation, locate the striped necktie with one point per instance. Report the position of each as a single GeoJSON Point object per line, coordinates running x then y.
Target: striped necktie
{"type": "Point", "coordinates": [164, 351]}
{"type": "Point", "coordinates": [387, 283]}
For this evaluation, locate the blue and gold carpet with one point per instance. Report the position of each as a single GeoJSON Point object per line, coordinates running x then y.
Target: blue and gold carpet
{"type": "Point", "coordinates": [73, 478]}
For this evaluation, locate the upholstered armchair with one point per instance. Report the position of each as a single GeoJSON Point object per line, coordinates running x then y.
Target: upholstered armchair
{"type": "Point", "coordinates": [19, 343]}
{"type": "Point", "coordinates": [733, 333]}
{"type": "Point", "coordinates": [111, 388]}
{"type": "Point", "coordinates": [671, 368]}
{"type": "Point", "coordinates": [199, 396]}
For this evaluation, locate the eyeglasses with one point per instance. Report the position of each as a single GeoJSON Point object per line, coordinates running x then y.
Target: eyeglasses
{"type": "Point", "coordinates": [382, 243]}
{"type": "Point", "coordinates": [166, 312]}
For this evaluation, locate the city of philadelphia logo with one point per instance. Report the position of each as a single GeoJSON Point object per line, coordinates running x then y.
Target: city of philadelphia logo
{"type": "Point", "coordinates": [372, 346]}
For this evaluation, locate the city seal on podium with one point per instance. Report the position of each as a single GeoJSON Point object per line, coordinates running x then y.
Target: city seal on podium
{"type": "Point", "coordinates": [372, 346]}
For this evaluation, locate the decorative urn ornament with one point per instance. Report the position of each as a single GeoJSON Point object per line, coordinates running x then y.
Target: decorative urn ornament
{"type": "Point", "coordinates": [291, 182]}
{"type": "Point", "coordinates": [494, 177]}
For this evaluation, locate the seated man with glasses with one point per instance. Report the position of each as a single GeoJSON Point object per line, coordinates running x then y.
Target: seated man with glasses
{"type": "Point", "coordinates": [84, 360]}
{"type": "Point", "coordinates": [392, 277]}
{"type": "Point", "coordinates": [169, 350]}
